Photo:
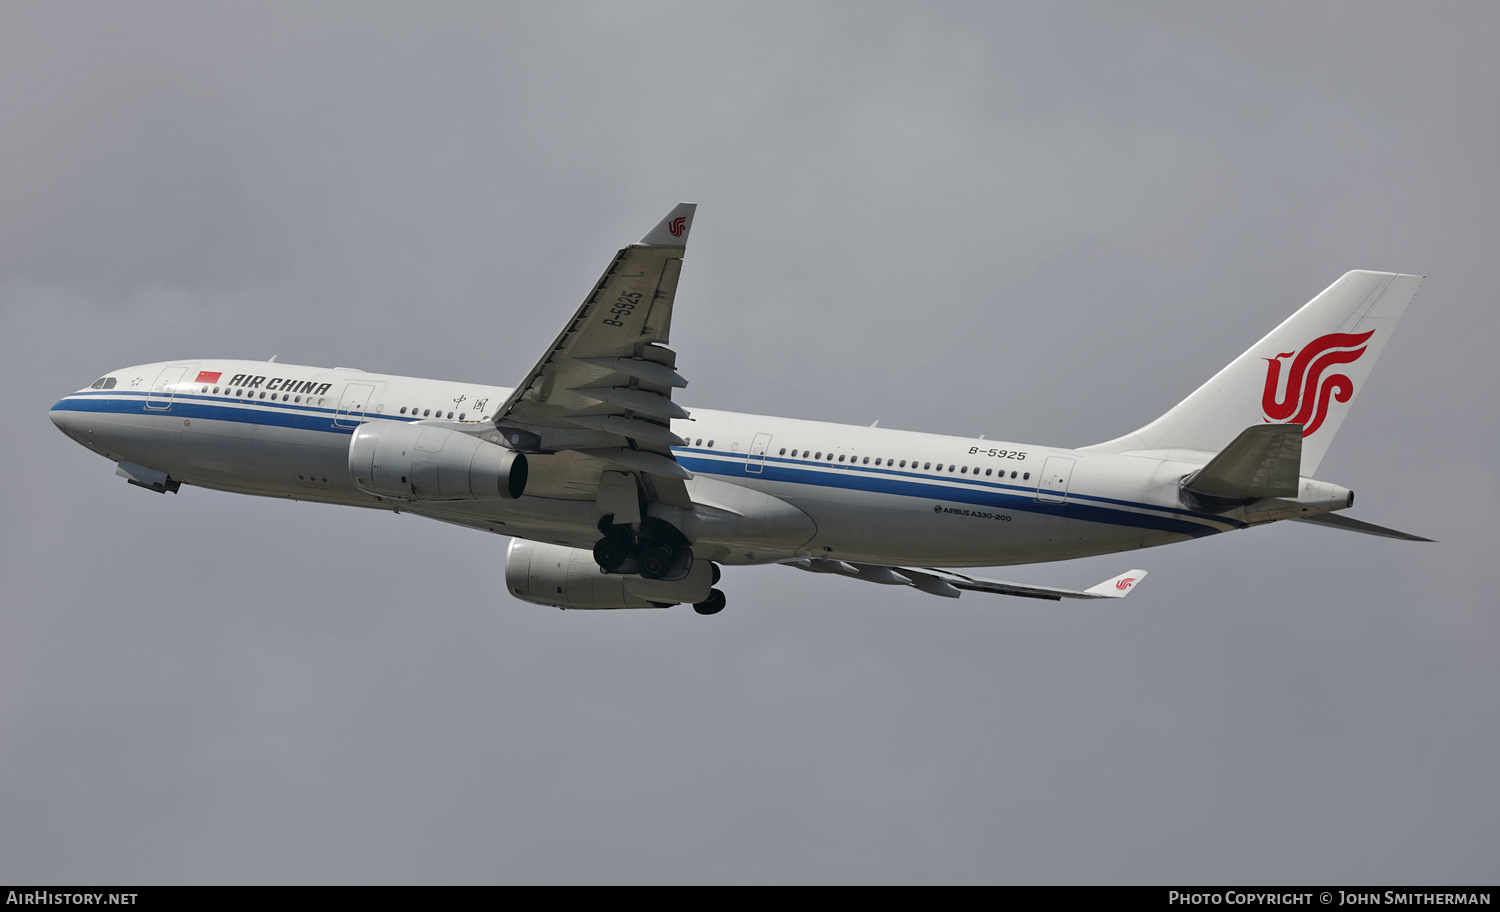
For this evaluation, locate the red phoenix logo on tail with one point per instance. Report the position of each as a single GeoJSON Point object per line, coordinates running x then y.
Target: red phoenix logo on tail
{"type": "Point", "coordinates": [1125, 583]}
{"type": "Point", "coordinates": [676, 225]}
{"type": "Point", "coordinates": [1304, 400]}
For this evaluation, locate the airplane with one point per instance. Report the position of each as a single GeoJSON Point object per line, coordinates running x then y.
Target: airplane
{"type": "Point", "coordinates": [615, 496]}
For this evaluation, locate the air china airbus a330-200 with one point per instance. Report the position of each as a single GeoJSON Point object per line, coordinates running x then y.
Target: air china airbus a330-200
{"type": "Point", "coordinates": [618, 497]}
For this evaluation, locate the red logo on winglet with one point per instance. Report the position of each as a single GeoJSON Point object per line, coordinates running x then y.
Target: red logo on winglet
{"type": "Point", "coordinates": [209, 376]}
{"type": "Point", "coordinates": [1125, 583]}
{"type": "Point", "coordinates": [676, 225]}
{"type": "Point", "coordinates": [1305, 399]}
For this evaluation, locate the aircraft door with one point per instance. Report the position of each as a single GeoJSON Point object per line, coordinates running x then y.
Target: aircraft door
{"type": "Point", "coordinates": [165, 387]}
{"type": "Point", "coordinates": [1052, 486]}
{"type": "Point", "coordinates": [352, 407]}
{"type": "Point", "coordinates": [755, 460]}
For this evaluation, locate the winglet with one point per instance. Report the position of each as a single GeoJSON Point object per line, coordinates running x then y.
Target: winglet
{"type": "Point", "coordinates": [1119, 587]}
{"type": "Point", "coordinates": [671, 231]}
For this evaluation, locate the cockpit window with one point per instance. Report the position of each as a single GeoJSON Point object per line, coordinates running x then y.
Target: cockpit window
{"type": "Point", "coordinates": [103, 383]}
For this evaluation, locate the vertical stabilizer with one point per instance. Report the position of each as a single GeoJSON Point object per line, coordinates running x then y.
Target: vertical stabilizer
{"type": "Point", "coordinates": [1307, 371]}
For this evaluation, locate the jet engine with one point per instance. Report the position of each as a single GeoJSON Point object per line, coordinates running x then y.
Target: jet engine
{"type": "Point", "coordinates": [423, 463]}
{"type": "Point", "coordinates": [569, 578]}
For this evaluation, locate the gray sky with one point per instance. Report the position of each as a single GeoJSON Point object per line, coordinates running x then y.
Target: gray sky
{"type": "Point", "coordinates": [1041, 222]}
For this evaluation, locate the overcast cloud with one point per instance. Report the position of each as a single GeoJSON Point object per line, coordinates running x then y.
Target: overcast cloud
{"type": "Point", "coordinates": [1041, 222]}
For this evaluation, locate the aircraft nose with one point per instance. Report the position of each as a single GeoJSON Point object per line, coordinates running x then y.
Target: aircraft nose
{"type": "Point", "coordinates": [58, 417]}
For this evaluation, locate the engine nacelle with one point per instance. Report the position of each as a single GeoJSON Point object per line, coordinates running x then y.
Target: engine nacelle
{"type": "Point", "coordinates": [421, 463]}
{"type": "Point", "coordinates": [568, 578]}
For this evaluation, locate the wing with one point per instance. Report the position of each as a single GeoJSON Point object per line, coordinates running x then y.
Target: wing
{"type": "Point", "coordinates": [948, 584]}
{"type": "Point", "coordinates": [604, 388]}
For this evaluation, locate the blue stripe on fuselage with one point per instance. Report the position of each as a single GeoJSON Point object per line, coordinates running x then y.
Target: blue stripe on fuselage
{"type": "Point", "coordinates": [708, 462]}
{"type": "Point", "coordinates": [953, 490]}
{"type": "Point", "coordinates": [211, 408]}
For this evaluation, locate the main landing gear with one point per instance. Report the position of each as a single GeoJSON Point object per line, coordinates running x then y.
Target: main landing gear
{"type": "Point", "coordinates": [656, 550]}
{"type": "Point", "coordinates": [711, 605]}
{"type": "Point", "coordinates": [715, 601]}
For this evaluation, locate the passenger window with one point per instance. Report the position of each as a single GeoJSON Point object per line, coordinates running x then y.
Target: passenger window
{"type": "Point", "coordinates": [1026, 477]}
{"type": "Point", "coordinates": [819, 456]}
{"type": "Point", "coordinates": [877, 460]}
{"type": "Point", "coordinates": [988, 471]}
{"type": "Point", "coordinates": [216, 391]}
{"type": "Point", "coordinates": [928, 466]}
{"type": "Point", "coordinates": [783, 451]}
{"type": "Point", "coordinates": [964, 470]}
{"type": "Point", "coordinates": [1013, 475]}
{"type": "Point", "coordinates": [866, 461]}
{"type": "Point", "coordinates": [841, 457]}
{"type": "Point", "coordinates": [461, 415]}
{"type": "Point", "coordinates": [450, 415]}
{"type": "Point", "coordinates": [262, 395]}
{"type": "Point", "coordinates": [298, 399]}
{"type": "Point", "coordinates": [699, 443]}
{"type": "Point", "coordinates": [403, 410]}
{"type": "Point", "coordinates": [710, 444]}
{"type": "Point", "coordinates": [426, 413]}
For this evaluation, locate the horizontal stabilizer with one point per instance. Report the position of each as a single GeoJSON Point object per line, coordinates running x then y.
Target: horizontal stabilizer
{"type": "Point", "coordinates": [1265, 460]}
{"type": "Point", "coordinates": [1338, 521]}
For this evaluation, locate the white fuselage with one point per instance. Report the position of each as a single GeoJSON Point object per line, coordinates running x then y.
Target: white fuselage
{"type": "Point", "coordinates": [868, 494]}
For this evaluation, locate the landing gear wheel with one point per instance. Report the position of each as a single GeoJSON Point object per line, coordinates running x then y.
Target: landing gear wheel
{"type": "Point", "coordinates": [711, 605]}
{"type": "Point", "coordinates": [611, 553]}
{"type": "Point", "coordinates": [657, 559]}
